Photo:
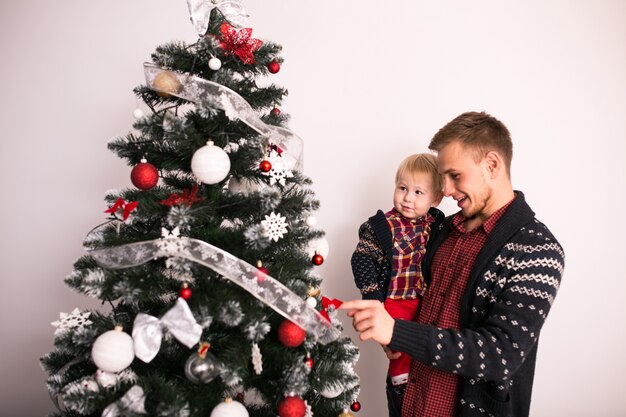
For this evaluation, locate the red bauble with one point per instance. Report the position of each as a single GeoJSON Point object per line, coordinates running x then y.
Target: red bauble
{"type": "Point", "coordinates": [273, 67]}
{"type": "Point", "coordinates": [309, 362]}
{"type": "Point", "coordinates": [292, 407]}
{"type": "Point", "coordinates": [260, 276]}
{"type": "Point", "coordinates": [265, 166]}
{"type": "Point", "coordinates": [355, 406]}
{"type": "Point", "coordinates": [317, 259]}
{"type": "Point", "coordinates": [144, 175]}
{"type": "Point", "coordinates": [275, 111]}
{"type": "Point", "coordinates": [290, 334]}
{"type": "Point", "coordinates": [185, 292]}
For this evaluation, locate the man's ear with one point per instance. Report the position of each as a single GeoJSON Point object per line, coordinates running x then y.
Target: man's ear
{"type": "Point", "coordinates": [493, 163]}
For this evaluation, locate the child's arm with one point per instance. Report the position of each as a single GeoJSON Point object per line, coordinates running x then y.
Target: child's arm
{"type": "Point", "coordinates": [368, 265]}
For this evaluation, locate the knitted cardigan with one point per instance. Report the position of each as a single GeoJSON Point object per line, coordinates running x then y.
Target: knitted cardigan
{"type": "Point", "coordinates": [372, 260]}
{"type": "Point", "coordinates": [510, 291]}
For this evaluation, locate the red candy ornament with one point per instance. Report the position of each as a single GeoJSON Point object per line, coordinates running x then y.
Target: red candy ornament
{"type": "Point", "coordinates": [290, 334]}
{"type": "Point", "coordinates": [144, 175]}
{"type": "Point", "coordinates": [273, 67]}
{"type": "Point", "coordinates": [265, 166]}
{"type": "Point", "coordinates": [292, 406]}
{"type": "Point", "coordinates": [185, 292]}
{"type": "Point", "coordinates": [260, 276]}
{"type": "Point", "coordinates": [317, 259]}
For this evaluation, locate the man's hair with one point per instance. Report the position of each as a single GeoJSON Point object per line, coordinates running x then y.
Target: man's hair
{"type": "Point", "coordinates": [422, 163]}
{"type": "Point", "coordinates": [479, 132]}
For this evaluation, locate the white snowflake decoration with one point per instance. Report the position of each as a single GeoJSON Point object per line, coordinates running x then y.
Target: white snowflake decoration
{"type": "Point", "coordinates": [257, 359]}
{"type": "Point", "coordinates": [280, 170]}
{"type": "Point", "coordinates": [73, 320]}
{"type": "Point", "coordinates": [274, 226]}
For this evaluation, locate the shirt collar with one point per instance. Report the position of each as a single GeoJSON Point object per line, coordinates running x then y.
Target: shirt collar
{"type": "Point", "coordinates": [423, 220]}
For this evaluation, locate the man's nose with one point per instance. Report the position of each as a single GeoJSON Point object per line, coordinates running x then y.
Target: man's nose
{"type": "Point", "coordinates": [448, 187]}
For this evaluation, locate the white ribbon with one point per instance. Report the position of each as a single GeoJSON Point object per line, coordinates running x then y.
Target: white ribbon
{"type": "Point", "coordinates": [148, 330]}
{"type": "Point", "coordinates": [133, 400]}
{"type": "Point", "coordinates": [268, 290]}
{"type": "Point", "coordinates": [200, 13]}
{"type": "Point", "coordinates": [211, 94]}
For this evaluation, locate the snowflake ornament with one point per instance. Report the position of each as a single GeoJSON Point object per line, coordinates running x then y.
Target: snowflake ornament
{"type": "Point", "coordinates": [274, 226]}
{"type": "Point", "coordinates": [73, 320]}
{"type": "Point", "coordinates": [280, 171]}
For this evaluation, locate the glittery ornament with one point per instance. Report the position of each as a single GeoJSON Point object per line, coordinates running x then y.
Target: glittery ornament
{"type": "Point", "coordinates": [273, 67]}
{"type": "Point", "coordinates": [167, 83]}
{"type": "Point", "coordinates": [290, 334]}
{"type": "Point", "coordinates": [203, 366]}
{"type": "Point", "coordinates": [292, 406]}
{"type": "Point", "coordinates": [144, 175]}
{"type": "Point", "coordinates": [239, 42]}
{"type": "Point", "coordinates": [113, 350]}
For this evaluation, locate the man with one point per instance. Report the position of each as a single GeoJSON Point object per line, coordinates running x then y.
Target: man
{"type": "Point", "coordinates": [492, 270]}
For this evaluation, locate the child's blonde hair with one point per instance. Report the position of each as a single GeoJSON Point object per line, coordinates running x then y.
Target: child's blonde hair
{"type": "Point", "coordinates": [425, 163]}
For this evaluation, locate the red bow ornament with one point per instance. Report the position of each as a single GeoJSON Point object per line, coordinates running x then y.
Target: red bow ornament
{"type": "Point", "coordinates": [127, 208]}
{"type": "Point", "coordinates": [187, 198]}
{"type": "Point", "coordinates": [327, 303]}
{"type": "Point", "coordinates": [239, 43]}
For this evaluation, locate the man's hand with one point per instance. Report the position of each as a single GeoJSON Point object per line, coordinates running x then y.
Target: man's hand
{"type": "Point", "coordinates": [370, 319]}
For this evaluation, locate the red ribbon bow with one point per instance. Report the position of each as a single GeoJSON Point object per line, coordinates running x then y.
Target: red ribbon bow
{"type": "Point", "coordinates": [326, 303]}
{"type": "Point", "coordinates": [187, 198]}
{"type": "Point", "coordinates": [126, 207]}
{"type": "Point", "coordinates": [239, 43]}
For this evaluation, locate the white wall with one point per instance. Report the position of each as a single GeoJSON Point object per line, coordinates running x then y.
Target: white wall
{"type": "Point", "coordinates": [368, 84]}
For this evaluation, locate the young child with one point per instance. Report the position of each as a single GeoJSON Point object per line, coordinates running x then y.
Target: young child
{"type": "Point", "coordinates": [387, 261]}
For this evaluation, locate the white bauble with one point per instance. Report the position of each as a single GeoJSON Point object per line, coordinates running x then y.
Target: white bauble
{"type": "Point", "coordinates": [229, 408]}
{"type": "Point", "coordinates": [311, 302]}
{"type": "Point", "coordinates": [215, 63]}
{"type": "Point", "coordinates": [113, 350]}
{"type": "Point", "coordinates": [311, 221]}
{"type": "Point", "coordinates": [138, 114]}
{"type": "Point", "coordinates": [318, 246]}
{"type": "Point", "coordinates": [106, 379]}
{"type": "Point", "coordinates": [210, 164]}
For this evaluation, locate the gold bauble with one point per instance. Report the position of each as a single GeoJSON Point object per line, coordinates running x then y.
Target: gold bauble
{"type": "Point", "coordinates": [166, 83]}
{"type": "Point", "coordinates": [313, 291]}
{"type": "Point", "coordinates": [346, 414]}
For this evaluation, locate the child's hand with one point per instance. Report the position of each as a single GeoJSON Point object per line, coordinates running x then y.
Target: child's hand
{"type": "Point", "coordinates": [391, 355]}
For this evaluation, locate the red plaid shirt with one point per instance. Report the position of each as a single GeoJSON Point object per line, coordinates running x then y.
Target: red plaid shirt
{"type": "Point", "coordinates": [409, 246]}
{"type": "Point", "coordinates": [430, 391]}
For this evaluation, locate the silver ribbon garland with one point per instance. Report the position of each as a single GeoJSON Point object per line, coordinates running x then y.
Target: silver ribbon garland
{"type": "Point", "coordinates": [148, 330]}
{"type": "Point", "coordinates": [262, 286]}
{"type": "Point", "coordinates": [133, 400]}
{"type": "Point", "coordinates": [200, 13]}
{"type": "Point", "coordinates": [211, 94]}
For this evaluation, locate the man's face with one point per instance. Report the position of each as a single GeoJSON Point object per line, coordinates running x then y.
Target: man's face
{"type": "Point", "coordinates": [465, 180]}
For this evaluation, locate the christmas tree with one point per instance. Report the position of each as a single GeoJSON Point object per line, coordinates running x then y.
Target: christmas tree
{"type": "Point", "coordinates": [207, 266]}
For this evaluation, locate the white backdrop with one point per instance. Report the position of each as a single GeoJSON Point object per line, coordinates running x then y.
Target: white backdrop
{"type": "Point", "coordinates": [369, 82]}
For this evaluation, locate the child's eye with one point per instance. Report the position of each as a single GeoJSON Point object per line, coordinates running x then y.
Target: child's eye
{"type": "Point", "coordinates": [402, 188]}
{"type": "Point", "coordinates": [418, 192]}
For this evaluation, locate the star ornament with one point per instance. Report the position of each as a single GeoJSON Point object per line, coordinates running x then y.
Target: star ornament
{"type": "Point", "coordinates": [239, 43]}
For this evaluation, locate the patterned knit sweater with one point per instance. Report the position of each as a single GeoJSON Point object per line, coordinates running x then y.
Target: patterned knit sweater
{"type": "Point", "coordinates": [510, 291]}
{"type": "Point", "coordinates": [372, 260]}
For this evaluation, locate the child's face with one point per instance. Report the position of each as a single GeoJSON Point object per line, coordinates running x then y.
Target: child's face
{"type": "Point", "coordinates": [414, 195]}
